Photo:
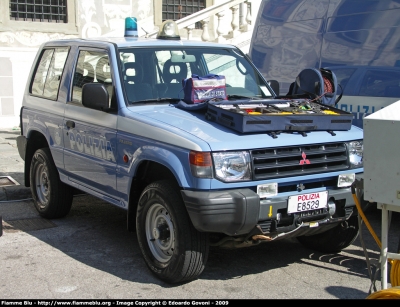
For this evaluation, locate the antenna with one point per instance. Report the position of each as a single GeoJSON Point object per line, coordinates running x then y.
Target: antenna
{"type": "Point", "coordinates": [147, 33]}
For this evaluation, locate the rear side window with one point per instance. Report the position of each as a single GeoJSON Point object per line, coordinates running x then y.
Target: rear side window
{"type": "Point", "coordinates": [92, 66]}
{"type": "Point", "coordinates": [46, 80]}
{"type": "Point", "coordinates": [343, 76]}
{"type": "Point", "coordinates": [381, 83]}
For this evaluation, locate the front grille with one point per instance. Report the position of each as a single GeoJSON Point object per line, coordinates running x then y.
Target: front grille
{"type": "Point", "coordinates": [314, 184]}
{"type": "Point", "coordinates": [299, 160]}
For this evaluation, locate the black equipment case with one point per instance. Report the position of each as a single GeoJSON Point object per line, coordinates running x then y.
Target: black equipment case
{"type": "Point", "coordinates": [278, 115]}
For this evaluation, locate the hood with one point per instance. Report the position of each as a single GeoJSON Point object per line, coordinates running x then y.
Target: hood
{"type": "Point", "coordinates": [222, 138]}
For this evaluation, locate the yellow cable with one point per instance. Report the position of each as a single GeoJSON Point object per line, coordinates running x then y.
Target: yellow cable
{"type": "Point", "coordinates": [391, 293]}
{"type": "Point", "coordinates": [366, 221]}
{"type": "Point", "coordinates": [395, 273]}
{"type": "Point", "coordinates": [386, 294]}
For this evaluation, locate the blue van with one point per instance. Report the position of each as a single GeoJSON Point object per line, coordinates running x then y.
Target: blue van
{"type": "Point", "coordinates": [359, 40]}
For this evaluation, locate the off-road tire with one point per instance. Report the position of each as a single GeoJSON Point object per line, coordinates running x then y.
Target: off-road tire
{"type": "Point", "coordinates": [52, 198]}
{"type": "Point", "coordinates": [335, 239]}
{"type": "Point", "coordinates": [172, 248]}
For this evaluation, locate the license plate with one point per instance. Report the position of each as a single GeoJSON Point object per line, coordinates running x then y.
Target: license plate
{"type": "Point", "coordinates": [307, 202]}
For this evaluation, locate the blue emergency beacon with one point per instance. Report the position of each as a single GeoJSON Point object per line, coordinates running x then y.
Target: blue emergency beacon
{"type": "Point", "coordinates": [131, 27]}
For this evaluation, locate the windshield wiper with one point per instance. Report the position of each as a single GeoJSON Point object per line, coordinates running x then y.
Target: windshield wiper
{"type": "Point", "coordinates": [243, 97]}
{"type": "Point", "coordinates": [163, 99]}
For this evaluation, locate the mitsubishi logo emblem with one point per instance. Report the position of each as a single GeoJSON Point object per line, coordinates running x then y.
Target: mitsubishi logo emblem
{"type": "Point", "coordinates": [300, 187]}
{"type": "Point", "coordinates": [304, 161]}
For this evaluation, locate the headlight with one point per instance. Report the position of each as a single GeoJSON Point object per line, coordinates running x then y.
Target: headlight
{"type": "Point", "coordinates": [232, 166]}
{"type": "Point", "coordinates": [356, 154]}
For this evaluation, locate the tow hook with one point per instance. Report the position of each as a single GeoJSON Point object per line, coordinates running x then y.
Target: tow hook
{"type": "Point", "coordinates": [344, 225]}
{"type": "Point", "coordinates": [261, 237]}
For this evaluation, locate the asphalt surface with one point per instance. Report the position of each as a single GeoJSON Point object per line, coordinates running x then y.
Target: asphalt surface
{"type": "Point", "coordinates": [90, 255]}
{"type": "Point", "coordinates": [11, 165]}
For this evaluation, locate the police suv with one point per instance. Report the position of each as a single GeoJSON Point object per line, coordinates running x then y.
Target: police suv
{"type": "Point", "coordinates": [102, 116]}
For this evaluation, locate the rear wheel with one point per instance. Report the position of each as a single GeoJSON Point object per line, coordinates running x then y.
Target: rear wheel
{"type": "Point", "coordinates": [333, 240]}
{"type": "Point", "coordinates": [172, 248]}
{"type": "Point", "coordinates": [52, 198]}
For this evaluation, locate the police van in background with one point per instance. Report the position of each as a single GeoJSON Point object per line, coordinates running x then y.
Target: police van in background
{"type": "Point", "coordinates": [359, 40]}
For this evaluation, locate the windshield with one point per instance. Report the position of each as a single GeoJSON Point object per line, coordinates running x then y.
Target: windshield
{"type": "Point", "coordinates": [155, 74]}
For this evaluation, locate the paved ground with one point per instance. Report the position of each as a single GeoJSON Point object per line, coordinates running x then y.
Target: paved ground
{"type": "Point", "coordinates": [11, 165]}
{"type": "Point", "coordinates": [90, 255]}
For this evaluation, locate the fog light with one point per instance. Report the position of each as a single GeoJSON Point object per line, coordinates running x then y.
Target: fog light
{"type": "Point", "coordinates": [331, 207]}
{"type": "Point", "coordinates": [267, 190]}
{"type": "Point", "coordinates": [346, 180]}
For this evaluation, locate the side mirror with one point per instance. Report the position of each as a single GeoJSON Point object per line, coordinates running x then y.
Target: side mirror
{"type": "Point", "coordinates": [95, 96]}
{"type": "Point", "coordinates": [275, 86]}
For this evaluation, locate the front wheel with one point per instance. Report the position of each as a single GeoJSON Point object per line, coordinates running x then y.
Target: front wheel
{"type": "Point", "coordinates": [333, 240]}
{"type": "Point", "coordinates": [52, 198]}
{"type": "Point", "coordinates": [172, 248]}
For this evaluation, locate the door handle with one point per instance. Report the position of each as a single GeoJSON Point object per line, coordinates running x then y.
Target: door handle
{"type": "Point", "coordinates": [70, 124]}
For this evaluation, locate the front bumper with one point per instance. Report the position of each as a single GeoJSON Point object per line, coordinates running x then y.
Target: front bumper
{"type": "Point", "coordinates": [241, 211]}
